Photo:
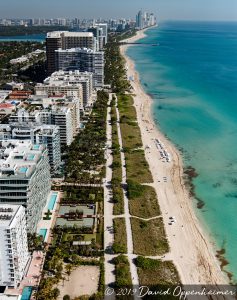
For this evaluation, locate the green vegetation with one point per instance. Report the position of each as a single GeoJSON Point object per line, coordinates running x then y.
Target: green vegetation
{"type": "Point", "coordinates": [137, 166]}
{"type": "Point", "coordinates": [118, 200]}
{"type": "Point", "coordinates": [153, 272]}
{"type": "Point", "coordinates": [142, 200]}
{"type": "Point", "coordinates": [22, 30]}
{"type": "Point", "coordinates": [149, 237]}
{"type": "Point", "coordinates": [122, 272]}
{"type": "Point", "coordinates": [115, 73]}
{"type": "Point", "coordinates": [82, 195]}
{"type": "Point", "coordinates": [120, 238]}
{"type": "Point", "coordinates": [12, 50]}
{"type": "Point", "coordinates": [35, 242]}
{"type": "Point", "coordinates": [85, 156]}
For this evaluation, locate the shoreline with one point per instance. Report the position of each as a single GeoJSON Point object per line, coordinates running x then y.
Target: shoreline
{"type": "Point", "coordinates": [190, 248]}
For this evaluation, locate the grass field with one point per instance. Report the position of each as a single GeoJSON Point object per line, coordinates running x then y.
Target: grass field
{"type": "Point", "coordinates": [156, 272]}
{"type": "Point", "coordinates": [137, 166]}
{"type": "Point", "coordinates": [120, 237]}
{"type": "Point", "coordinates": [143, 204]}
{"type": "Point", "coordinates": [125, 106]}
{"type": "Point", "coordinates": [149, 237]}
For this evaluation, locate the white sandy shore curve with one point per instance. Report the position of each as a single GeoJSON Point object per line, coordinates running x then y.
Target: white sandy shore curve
{"type": "Point", "coordinates": [190, 248]}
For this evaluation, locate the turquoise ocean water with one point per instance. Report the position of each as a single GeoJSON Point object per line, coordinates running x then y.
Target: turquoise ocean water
{"type": "Point", "coordinates": [192, 77]}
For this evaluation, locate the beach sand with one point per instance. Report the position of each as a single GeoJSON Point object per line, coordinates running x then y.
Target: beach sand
{"type": "Point", "coordinates": [190, 248]}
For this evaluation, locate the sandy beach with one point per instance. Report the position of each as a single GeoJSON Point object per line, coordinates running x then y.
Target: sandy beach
{"type": "Point", "coordinates": [190, 248]}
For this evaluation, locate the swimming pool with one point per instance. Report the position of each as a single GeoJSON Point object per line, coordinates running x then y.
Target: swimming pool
{"type": "Point", "coordinates": [36, 147]}
{"type": "Point", "coordinates": [52, 200]}
{"type": "Point", "coordinates": [43, 233]}
{"type": "Point", "coordinates": [23, 169]}
{"type": "Point", "coordinates": [31, 157]}
{"type": "Point", "coordinates": [26, 294]}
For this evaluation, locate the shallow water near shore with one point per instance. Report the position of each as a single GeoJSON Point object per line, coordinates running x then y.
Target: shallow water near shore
{"type": "Point", "coordinates": [192, 76]}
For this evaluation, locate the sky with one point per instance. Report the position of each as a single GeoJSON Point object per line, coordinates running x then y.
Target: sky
{"type": "Point", "coordinates": [225, 10]}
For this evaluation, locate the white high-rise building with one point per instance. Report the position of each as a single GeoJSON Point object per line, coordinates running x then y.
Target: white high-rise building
{"type": "Point", "coordinates": [14, 254]}
{"type": "Point", "coordinates": [100, 31]}
{"type": "Point", "coordinates": [25, 177]}
{"type": "Point", "coordinates": [38, 134]}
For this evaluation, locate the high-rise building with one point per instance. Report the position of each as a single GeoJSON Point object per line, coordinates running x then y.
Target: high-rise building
{"type": "Point", "coordinates": [140, 20]}
{"type": "Point", "coordinates": [69, 78]}
{"type": "Point", "coordinates": [84, 60]}
{"type": "Point", "coordinates": [25, 177]}
{"type": "Point", "coordinates": [145, 19]}
{"type": "Point", "coordinates": [14, 254]}
{"type": "Point", "coordinates": [38, 134]}
{"type": "Point", "coordinates": [66, 40]}
{"type": "Point", "coordinates": [100, 31]}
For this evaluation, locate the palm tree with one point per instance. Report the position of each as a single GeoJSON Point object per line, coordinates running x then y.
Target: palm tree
{"type": "Point", "coordinates": [68, 270]}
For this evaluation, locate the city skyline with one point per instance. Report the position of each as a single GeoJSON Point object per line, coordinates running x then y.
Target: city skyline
{"type": "Point", "coordinates": [165, 10]}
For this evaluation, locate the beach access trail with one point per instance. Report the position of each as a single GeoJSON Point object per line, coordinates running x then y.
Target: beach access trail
{"type": "Point", "coordinates": [190, 248]}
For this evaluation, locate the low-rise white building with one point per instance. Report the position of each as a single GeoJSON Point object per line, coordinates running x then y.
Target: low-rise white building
{"type": "Point", "coordinates": [61, 111]}
{"type": "Point", "coordinates": [14, 254]}
{"type": "Point", "coordinates": [73, 78]}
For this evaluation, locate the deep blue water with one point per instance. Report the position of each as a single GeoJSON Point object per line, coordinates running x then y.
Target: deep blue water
{"type": "Point", "coordinates": [192, 77]}
{"type": "Point", "coordinates": [23, 38]}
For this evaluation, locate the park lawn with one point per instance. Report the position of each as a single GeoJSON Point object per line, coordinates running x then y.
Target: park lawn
{"type": "Point", "coordinates": [120, 237]}
{"type": "Point", "coordinates": [156, 272]}
{"type": "Point", "coordinates": [146, 204]}
{"type": "Point", "coordinates": [137, 167]}
{"type": "Point", "coordinates": [149, 237]}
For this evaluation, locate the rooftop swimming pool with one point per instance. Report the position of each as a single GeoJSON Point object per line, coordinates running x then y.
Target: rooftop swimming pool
{"type": "Point", "coordinates": [43, 233]}
{"type": "Point", "coordinates": [36, 147]}
{"type": "Point", "coordinates": [26, 294]}
{"type": "Point", "coordinates": [52, 201]}
{"type": "Point", "coordinates": [23, 169]}
{"type": "Point", "coordinates": [31, 157]}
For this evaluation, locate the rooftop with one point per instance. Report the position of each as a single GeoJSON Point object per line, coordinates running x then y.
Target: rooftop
{"type": "Point", "coordinates": [74, 50]}
{"type": "Point", "coordinates": [58, 34]}
{"type": "Point", "coordinates": [7, 213]}
{"type": "Point", "coordinates": [19, 158]}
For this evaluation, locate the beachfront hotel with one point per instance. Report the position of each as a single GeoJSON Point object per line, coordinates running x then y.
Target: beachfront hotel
{"type": "Point", "coordinates": [14, 254]}
{"type": "Point", "coordinates": [84, 60]}
{"type": "Point", "coordinates": [66, 40]}
{"type": "Point", "coordinates": [69, 80]}
{"type": "Point", "coordinates": [63, 112]}
{"type": "Point", "coordinates": [54, 87]}
{"type": "Point", "coordinates": [38, 134]}
{"type": "Point", "coordinates": [25, 177]}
